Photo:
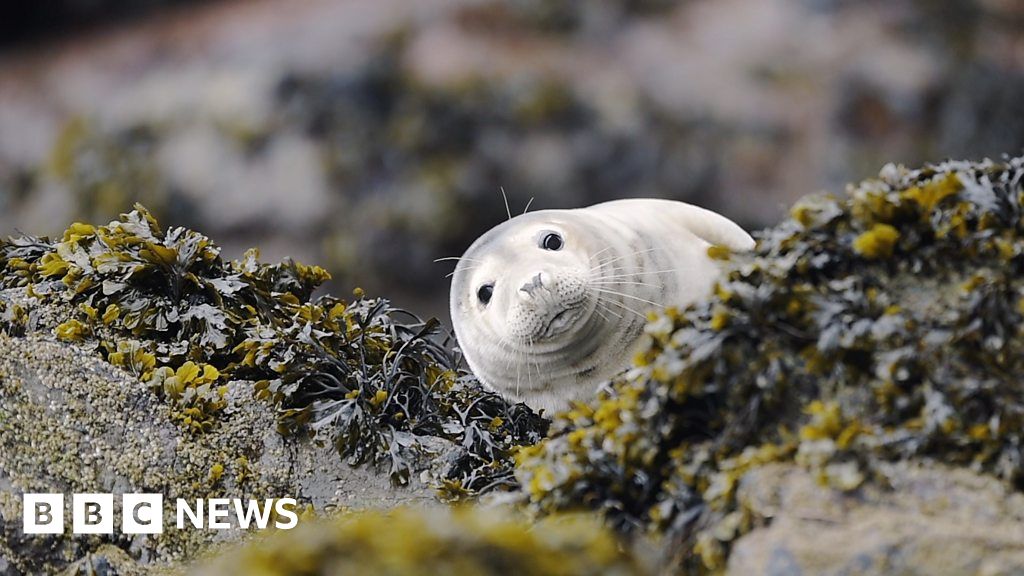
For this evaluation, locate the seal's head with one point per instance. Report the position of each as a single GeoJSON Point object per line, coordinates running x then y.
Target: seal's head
{"type": "Point", "coordinates": [550, 303]}
{"type": "Point", "coordinates": [525, 282]}
{"type": "Point", "coordinates": [526, 305]}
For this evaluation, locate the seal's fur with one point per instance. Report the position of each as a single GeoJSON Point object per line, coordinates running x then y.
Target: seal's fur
{"type": "Point", "coordinates": [555, 322]}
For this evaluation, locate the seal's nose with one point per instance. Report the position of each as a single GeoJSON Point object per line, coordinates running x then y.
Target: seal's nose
{"type": "Point", "coordinates": [534, 284]}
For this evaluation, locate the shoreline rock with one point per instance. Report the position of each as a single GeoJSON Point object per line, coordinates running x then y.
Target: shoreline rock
{"type": "Point", "coordinates": [847, 400]}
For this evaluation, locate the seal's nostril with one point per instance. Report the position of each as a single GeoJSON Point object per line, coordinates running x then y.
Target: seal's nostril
{"type": "Point", "coordinates": [532, 285]}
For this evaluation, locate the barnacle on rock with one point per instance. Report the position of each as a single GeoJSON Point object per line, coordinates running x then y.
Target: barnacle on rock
{"type": "Point", "coordinates": [881, 326]}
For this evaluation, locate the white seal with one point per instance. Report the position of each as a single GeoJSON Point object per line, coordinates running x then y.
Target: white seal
{"type": "Point", "coordinates": [549, 304]}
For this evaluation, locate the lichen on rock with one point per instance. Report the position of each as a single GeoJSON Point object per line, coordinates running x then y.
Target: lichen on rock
{"type": "Point", "coordinates": [878, 327]}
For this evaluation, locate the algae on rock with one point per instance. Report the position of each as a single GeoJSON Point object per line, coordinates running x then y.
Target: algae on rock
{"type": "Point", "coordinates": [463, 540]}
{"type": "Point", "coordinates": [72, 423]}
{"type": "Point", "coordinates": [869, 342]}
{"type": "Point", "coordinates": [165, 306]}
{"type": "Point", "coordinates": [878, 327]}
{"type": "Point", "coordinates": [137, 360]}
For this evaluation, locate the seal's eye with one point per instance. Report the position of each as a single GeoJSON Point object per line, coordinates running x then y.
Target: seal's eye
{"type": "Point", "coordinates": [485, 292]}
{"type": "Point", "coordinates": [551, 241]}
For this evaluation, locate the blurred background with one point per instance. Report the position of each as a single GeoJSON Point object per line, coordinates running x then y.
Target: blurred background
{"type": "Point", "coordinates": [372, 137]}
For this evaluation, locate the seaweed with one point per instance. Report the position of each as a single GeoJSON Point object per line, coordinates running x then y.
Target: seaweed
{"type": "Point", "coordinates": [12, 317]}
{"type": "Point", "coordinates": [880, 326]}
{"type": "Point", "coordinates": [374, 379]}
{"type": "Point", "coordinates": [459, 541]}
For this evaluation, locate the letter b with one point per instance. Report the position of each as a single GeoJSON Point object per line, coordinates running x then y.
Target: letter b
{"type": "Point", "coordinates": [92, 513]}
{"type": "Point", "coordinates": [43, 513]}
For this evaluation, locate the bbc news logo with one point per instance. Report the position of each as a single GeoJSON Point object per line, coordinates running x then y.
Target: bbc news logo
{"type": "Point", "coordinates": [144, 513]}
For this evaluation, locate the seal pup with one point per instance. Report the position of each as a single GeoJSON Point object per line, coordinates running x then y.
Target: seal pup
{"type": "Point", "coordinates": [548, 304]}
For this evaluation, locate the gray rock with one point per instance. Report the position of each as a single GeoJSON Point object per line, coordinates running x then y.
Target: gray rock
{"type": "Point", "coordinates": [70, 422]}
{"type": "Point", "coordinates": [932, 520]}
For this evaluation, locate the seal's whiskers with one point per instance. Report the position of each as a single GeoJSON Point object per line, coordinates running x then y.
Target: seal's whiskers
{"type": "Point", "coordinates": [529, 378]}
{"type": "Point", "coordinates": [457, 258]}
{"type": "Point", "coordinates": [624, 295]}
{"type": "Point", "coordinates": [599, 252]}
{"type": "Point", "coordinates": [601, 305]}
{"type": "Point", "coordinates": [527, 209]}
{"type": "Point", "coordinates": [616, 259]}
{"type": "Point", "coordinates": [632, 274]}
{"type": "Point", "coordinates": [627, 308]}
{"type": "Point", "coordinates": [505, 347]}
{"type": "Point", "coordinates": [519, 365]}
{"type": "Point", "coordinates": [452, 273]}
{"type": "Point", "coordinates": [622, 283]}
{"type": "Point", "coordinates": [505, 198]}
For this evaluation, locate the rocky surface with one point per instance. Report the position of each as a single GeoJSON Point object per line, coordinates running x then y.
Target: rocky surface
{"type": "Point", "coordinates": [137, 360]}
{"type": "Point", "coordinates": [877, 327]}
{"type": "Point", "coordinates": [73, 423]}
{"type": "Point", "coordinates": [920, 519]}
{"type": "Point", "coordinates": [847, 401]}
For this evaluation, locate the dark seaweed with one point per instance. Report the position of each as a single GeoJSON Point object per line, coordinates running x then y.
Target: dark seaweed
{"type": "Point", "coordinates": [880, 326]}
{"type": "Point", "coordinates": [377, 381]}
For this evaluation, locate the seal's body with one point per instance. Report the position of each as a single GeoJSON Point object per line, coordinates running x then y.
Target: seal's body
{"type": "Point", "coordinates": [549, 304]}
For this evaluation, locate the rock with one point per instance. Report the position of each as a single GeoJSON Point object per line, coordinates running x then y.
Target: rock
{"type": "Point", "coordinates": [73, 423]}
{"type": "Point", "coordinates": [931, 520]}
{"type": "Point", "coordinates": [107, 560]}
{"type": "Point", "coordinates": [847, 401]}
{"type": "Point", "coordinates": [874, 329]}
{"type": "Point", "coordinates": [134, 360]}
